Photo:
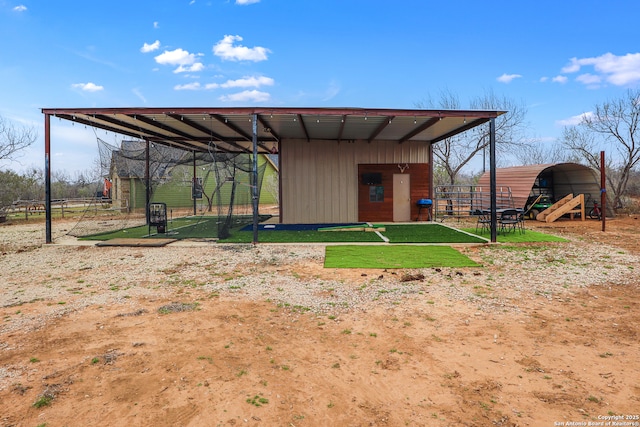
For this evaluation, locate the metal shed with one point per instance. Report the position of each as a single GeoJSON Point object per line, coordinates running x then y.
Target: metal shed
{"type": "Point", "coordinates": [552, 179]}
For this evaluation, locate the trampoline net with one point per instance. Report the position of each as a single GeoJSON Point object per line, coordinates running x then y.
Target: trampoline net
{"type": "Point", "coordinates": [213, 183]}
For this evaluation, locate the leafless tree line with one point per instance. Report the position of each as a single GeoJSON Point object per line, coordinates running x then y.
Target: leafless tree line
{"type": "Point", "coordinates": [613, 126]}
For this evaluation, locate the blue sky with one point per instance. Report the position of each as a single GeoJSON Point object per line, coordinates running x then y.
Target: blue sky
{"type": "Point", "coordinates": [559, 58]}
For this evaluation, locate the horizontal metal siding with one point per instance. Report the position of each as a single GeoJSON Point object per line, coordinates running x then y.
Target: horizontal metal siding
{"type": "Point", "coordinates": [320, 178]}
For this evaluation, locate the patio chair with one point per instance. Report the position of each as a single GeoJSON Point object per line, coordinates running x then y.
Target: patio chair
{"type": "Point", "coordinates": [511, 220]}
{"type": "Point", "coordinates": [484, 220]}
{"type": "Point", "coordinates": [521, 220]}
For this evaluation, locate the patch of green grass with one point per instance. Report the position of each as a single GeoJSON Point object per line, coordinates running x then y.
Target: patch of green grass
{"type": "Point", "coordinates": [517, 237]}
{"type": "Point", "coordinates": [128, 233]}
{"type": "Point", "coordinates": [414, 233]}
{"type": "Point", "coordinates": [257, 400]}
{"type": "Point", "coordinates": [303, 236]}
{"type": "Point", "coordinates": [207, 227]}
{"type": "Point", "coordinates": [427, 233]}
{"type": "Point", "coordinates": [177, 307]}
{"type": "Point", "coordinates": [396, 256]}
{"type": "Point", "coordinates": [207, 358]}
{"type": "Point", "coordinates": [47, 396]}
{"type": "Point", "coordinates": [42, 401]}
{"type": "Point", "coordinates": [191, 227]}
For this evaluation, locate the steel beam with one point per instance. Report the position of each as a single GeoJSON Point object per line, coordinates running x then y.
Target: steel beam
{"type": "Point", "coordinates": [47, 177]}
{"type": "Point", "coordinates": [492, 179]}
{"type": "Point", "coordinates": [254, 173]}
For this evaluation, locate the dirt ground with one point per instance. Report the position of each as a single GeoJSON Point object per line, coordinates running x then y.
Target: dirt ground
{"type": "Point", "coordinates": [425, 360]}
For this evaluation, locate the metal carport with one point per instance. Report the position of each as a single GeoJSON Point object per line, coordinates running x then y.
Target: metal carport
{"type": "Point", "coordinates": [552, 179]}
{"type": "Point", "coordinates": [259, 130]}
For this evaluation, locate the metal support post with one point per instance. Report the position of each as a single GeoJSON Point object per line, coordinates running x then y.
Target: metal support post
{"type": "Point", "coordinates": [47, 177]}
{"type": "Point", "coordinates": [492, 179]}
{"type": "Point", "coordinates": [254, 174]}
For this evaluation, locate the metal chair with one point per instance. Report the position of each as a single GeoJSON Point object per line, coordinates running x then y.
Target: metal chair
{"type": "Point", "coordinates": [484, 220]}
{"type": "Point", "coordinates": [521, 220]}
{"type": "Point", "coordinates": [510, 220]}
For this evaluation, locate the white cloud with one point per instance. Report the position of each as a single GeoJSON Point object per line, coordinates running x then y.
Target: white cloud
{"type": "Point", "coordinates": [614, 69]}
{"type": "Point", "coordinates": [150, 47]}
{"type": "Point", "coordinates": [572, 67]}
{"type": "Point", "coordinates": [139, 94]}
{"type": "Point", "coordinates": [249, 82]}
{"type": "Point", "coordinates": [156, 25]}
{"type": "Point", "coordinates": [560, 79]}
{"type": "Point", "coordinates": [590, 80]}
{"type": "Point", "coordinates": [188, 86]}
{"type": "Point", "coordinates": [194, 68]}
{"type": "Point", "coordinates": [575, 120]}
{"type": "Point", "coordinates": [245, 2]}
{"type": "Point", "coordinates": [332, 91]}
{"type": "Point", "coordinates": [507, 78]}
{"type": "Point", "coordinates": [176, 57]}
{"type": "Point", "coordinates": [20, 8]}
{"type": "Point", "coordinates": [87, 87]}
{"type": "Point", "coordinates": [226, 50]}
{"type": "Point", "coordinates": [247, 95]}
{"type": "Point", "coordinates": [186, 62]}
{"type": "Point", "coordinates": [239, 83]}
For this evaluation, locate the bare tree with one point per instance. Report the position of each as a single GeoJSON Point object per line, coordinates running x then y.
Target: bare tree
{"type": "Point", "coordinates": [454, 153]}
{"type": "Point", "coordinates": [616, 124]}
{"type": "Point", "coordinates": [13, 139]}
{"type": "Point", "coordinates": [535, 153]}
{"type": "Point", "coordinates": [15, 187]}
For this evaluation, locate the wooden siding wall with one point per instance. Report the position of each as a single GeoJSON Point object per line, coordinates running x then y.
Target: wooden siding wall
{"type": "Point", "coordinates": [319, 179]}
{"type": "Point", "coordinates": [383, 211]}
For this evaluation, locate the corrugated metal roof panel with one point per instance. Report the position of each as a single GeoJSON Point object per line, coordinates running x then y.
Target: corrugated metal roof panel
{"type": "Point", "coordinates": [566, 178]}
{"type": "Point", "coordinates": [231, 129]}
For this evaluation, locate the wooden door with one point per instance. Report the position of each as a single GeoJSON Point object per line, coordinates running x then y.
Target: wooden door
{"type": "Point", "coordinates": [401, 197]}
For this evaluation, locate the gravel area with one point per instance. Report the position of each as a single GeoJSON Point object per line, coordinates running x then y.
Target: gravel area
{"type": "Point", "coordinates": [69, 275]}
